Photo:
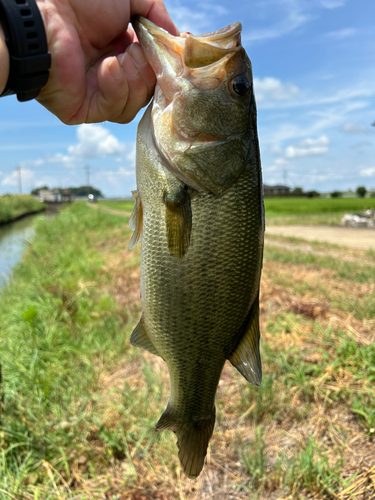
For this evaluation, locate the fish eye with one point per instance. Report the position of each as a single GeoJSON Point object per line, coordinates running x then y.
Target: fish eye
{"type": "Point", "coordinates": [241, 85]}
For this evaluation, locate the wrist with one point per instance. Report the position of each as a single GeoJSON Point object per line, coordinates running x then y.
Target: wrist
{"type": "Point", "coordinates": [29, 59]}
{"type": "Point", "coordinates": [4, 61]}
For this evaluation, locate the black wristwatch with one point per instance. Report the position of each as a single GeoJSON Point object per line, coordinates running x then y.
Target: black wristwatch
{"type": "Point", "coordinates": [26, 40]}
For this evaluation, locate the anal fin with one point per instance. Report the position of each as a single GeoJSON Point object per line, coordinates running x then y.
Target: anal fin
{"type": "Point", "coordinates": [136, 221]}
{"type": "Point", "coordinates": [178, 220]}
{"type": "Point", "coordinates": [140, 338]}
{"type": "Point", "coordinates": [246, 357]}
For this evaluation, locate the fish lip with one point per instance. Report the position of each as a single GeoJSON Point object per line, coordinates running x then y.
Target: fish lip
{"type": "Point", "coordinates": [167, 55]}
{"type": "Point", "coordinates": [163, 52]}
{"type": "Point", "coordinates": [215, 36]}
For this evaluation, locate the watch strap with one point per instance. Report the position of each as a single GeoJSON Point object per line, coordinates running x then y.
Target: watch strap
{"type": "Point", "coordinates": [29, 59]}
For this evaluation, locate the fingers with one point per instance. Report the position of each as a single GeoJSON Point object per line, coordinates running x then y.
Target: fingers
{"type": "Point", "coordinates": [156, 12]}
{"type": "Point", "coordinates": [125, 85]}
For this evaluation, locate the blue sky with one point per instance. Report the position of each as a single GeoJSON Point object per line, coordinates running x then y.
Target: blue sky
{"type": "Point", "coordinates": [314, 80]}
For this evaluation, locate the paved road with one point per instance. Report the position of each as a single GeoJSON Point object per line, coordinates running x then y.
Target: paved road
{"type": "Point", "coordinates": [350, 237]}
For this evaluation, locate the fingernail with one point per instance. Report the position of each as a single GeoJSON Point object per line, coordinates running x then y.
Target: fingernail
{"type": "Point", "coordinates": [128, 66]}
{"type": "Point", "coordinates": [137, 55]}
{"type": "Point", "coordinates": [115, 69]}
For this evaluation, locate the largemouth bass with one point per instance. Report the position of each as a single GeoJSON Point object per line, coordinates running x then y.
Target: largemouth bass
{"type": "Point", "coordinates": [199, 212]}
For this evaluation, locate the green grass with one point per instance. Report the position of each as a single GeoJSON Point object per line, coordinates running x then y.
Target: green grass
{"type": "Point", "coordinates": [288, 206]}
{"type": "Point", "coordinates": [118, 205]}
{"type": "Point", "coordinates": [58, 329]}
{"type": "Point", "coordinates": [12, 206]}
{"type": "Point", "coordinates": [312, 211]}
{"type": "Point", "coordinates": [80, 403]}
{"type": "Point", "coordinates": [292, 211]}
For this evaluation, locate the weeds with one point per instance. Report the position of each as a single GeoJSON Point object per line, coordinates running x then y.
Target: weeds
{"type": "Point", "coordinates": [13, 206]}
{"type": "Point", "coordinates": [80, 403]}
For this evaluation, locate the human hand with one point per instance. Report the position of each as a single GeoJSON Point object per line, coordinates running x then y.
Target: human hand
{"type": "Point", "coordinates": [98, 70]}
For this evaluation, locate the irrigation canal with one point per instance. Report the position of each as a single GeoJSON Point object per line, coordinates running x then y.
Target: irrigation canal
{"type": "Point", "coordinates": [14, 238]}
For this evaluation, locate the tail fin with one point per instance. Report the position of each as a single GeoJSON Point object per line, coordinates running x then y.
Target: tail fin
{"type": "Point", "coordinates": [192, 440]}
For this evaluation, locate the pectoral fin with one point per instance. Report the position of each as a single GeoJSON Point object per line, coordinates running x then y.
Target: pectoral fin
{"type": "Point", "coordinates": [178, 220]}
{"type": "Point", "coordinates": [246, 357]}
{"type": "Point", "coordinates": [140, 338]}
{"type": "Point", "coordinates": [136, 221]}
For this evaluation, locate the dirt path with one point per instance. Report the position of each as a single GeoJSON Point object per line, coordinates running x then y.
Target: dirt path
{"type": "Point", "coordinates": [113, 211]}
{"type": "Point", "coordinates": [350, 237]}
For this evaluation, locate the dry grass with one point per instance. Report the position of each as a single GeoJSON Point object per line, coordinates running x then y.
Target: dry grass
{"type": "Point", "coordinates": [262, 437]}
{"type": "Point", "coordinates": [306, 433]}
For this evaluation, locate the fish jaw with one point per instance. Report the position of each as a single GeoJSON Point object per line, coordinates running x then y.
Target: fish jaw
{"type": "Point", "coordinates": [174, 58]}
{"type": "Point", "coordinates": [164, 53]}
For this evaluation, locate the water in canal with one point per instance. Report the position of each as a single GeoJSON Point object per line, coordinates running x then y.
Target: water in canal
{"type": "Point", "coordinates": [14, 238]}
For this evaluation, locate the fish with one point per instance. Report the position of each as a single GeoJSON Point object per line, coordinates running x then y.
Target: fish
{"type": "Point", "coordinates": [200, 217]}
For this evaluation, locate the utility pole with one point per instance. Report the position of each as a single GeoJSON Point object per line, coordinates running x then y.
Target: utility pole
{"type": "Point", "coordinates": [19, 180]}
{"type": "Point", "coordinates": [87, 168]}
{"type": "Point", "coordinates": [285, 176]}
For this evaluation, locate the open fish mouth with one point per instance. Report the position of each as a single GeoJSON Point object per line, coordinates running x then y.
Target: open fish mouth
{"type": "Point", "coordinates": [176, 60]}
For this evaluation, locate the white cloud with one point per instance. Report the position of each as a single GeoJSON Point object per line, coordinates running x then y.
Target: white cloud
{"type": "Point", "coordinates": [95, 141]}
{"type": "Point", "coordinates": [277, 165]}
{"type": "Point", "coordinates": [354, 128]}
{"type": "Point", "coordinates": [332, 4]}
{"type": "Point", "coordinates": [32, 163]}
{"type": "Point", "coordinates": [308, 147]}
{"type": "Point", "coordinates": [192, 20]}
{"type": "Point", "coordinates": [288, 20]}
{"type": "Point", "coordinates": [131, 155]}
{"type": "Point", "coordinates": [67, 160]}
{"type": "Point", "coordinates": [13, 178]}
{"type": "Point", "coordinates": [341, 34]}
{"type": "Point", "coordinates": [114, 177]}
{"type": "Point", "coordinates": [272, 88]}
{"type": "Point", "coordinates": [367, 172]}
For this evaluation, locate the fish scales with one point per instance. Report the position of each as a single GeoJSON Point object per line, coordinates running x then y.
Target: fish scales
{"type": "Point", "coordinates": [199, 301]}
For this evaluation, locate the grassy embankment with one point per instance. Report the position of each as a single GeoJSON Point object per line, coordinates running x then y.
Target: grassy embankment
{"type": "Point", "coordinates": [81, 403]}
{"type": "Point", "coordinates": [14, 206]}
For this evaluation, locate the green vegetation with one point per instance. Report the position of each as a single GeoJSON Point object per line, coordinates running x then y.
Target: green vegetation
{"type": "Point", "coordinates": [126, 205]}
{"type": "Point", "coordinates": [288, 210]}
{"type": "Point", "coordinates": [328, 211]}
{"type": "Point", "coordinates": [13, 206]}
{"type": "Point", "coordinates": [292, 206]}
{"type": "Point", "coordinates": [80, 403]}
{"type": "Point", "coordinates": [361, 191]}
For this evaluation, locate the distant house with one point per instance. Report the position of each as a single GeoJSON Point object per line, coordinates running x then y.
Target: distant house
{"type": "Point", "coordinates": [66, 195]}
{"type": "Point", "coordinates": [50, 195]}
{"type": "Point", "coordinates": [275, 190]}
